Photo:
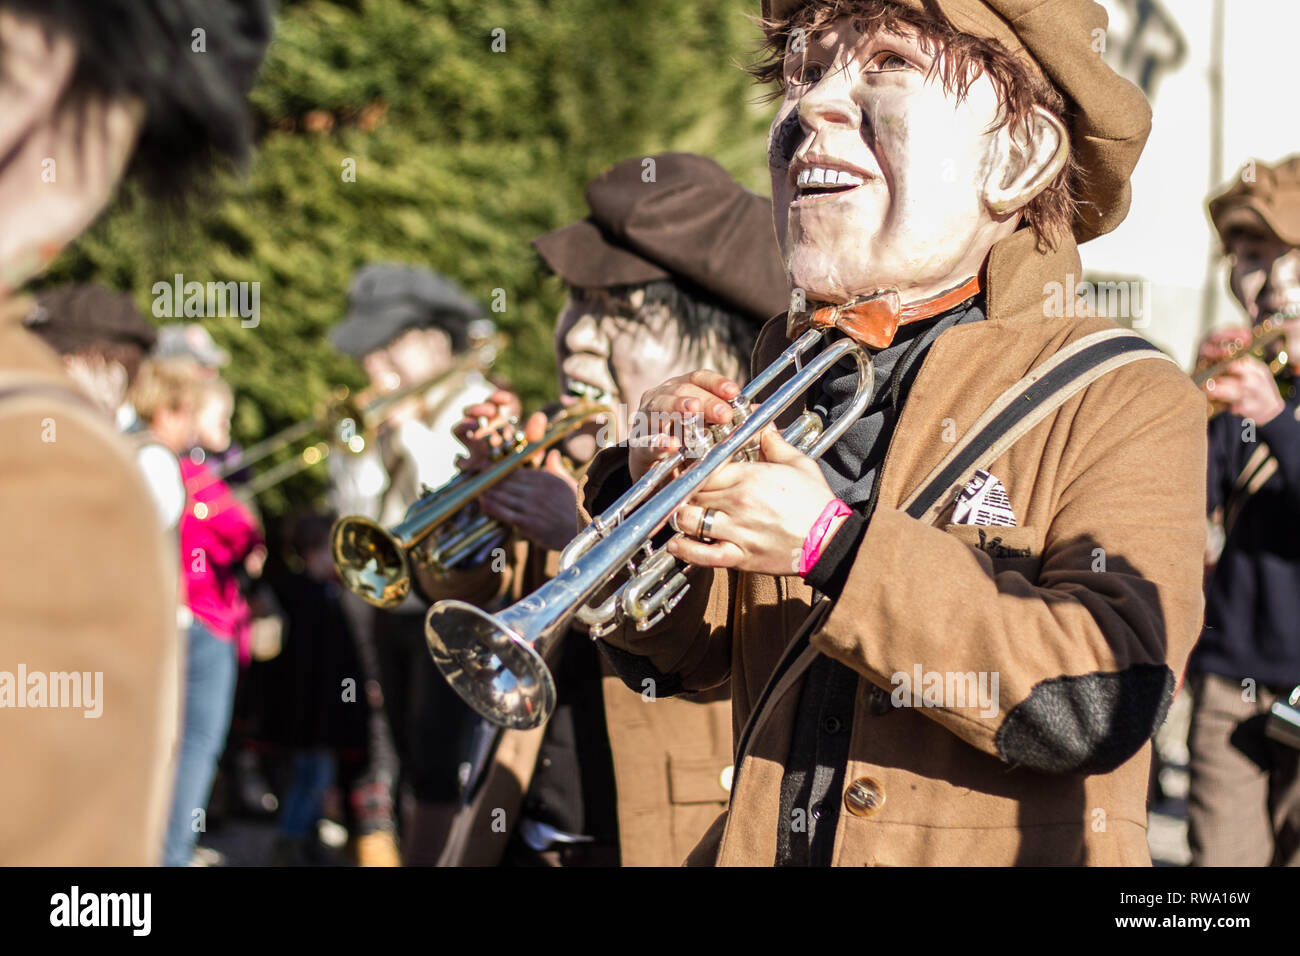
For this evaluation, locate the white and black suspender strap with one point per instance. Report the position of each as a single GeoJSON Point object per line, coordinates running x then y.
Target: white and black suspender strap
{"type": "Point", "coordinates": [1046, 388]}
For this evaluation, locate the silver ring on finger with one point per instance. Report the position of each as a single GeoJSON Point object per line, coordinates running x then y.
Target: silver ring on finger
{"type": "Point", "coordinates": [706, 524]}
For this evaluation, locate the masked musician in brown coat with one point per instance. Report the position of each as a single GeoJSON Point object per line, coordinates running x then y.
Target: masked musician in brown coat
{"type": "Point", "coordinates": [1243, 802]}
{"type": "Point", "coordinates": [982, 675]}
{"type": "Point", "coordinates": [677, 266]}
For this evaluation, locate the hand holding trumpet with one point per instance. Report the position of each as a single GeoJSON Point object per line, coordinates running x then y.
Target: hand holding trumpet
{"type": "Point", "coordinates": [538, 502]}
{"type": "Point", "coordinates": [701, 394]}
{"type": "Point", "coordinates": [1246, 387]}
{"type": "Point", "coordinates": [487, 429]}
{"type": "Point", "coordinates": [755, 514]}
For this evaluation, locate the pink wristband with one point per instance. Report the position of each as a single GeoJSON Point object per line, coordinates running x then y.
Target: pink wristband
{"type": "Point", "coordinates": [812, 544]}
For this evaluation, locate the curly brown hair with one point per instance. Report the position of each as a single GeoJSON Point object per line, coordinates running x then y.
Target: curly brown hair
{"type": "Point", "coordinates": [964, 58]}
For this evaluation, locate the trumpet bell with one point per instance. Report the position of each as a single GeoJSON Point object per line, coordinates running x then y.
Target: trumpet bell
{"type": "Point", "coordinates": [371, 562]}
{"type": "Point", "coordinates": [493, 667]}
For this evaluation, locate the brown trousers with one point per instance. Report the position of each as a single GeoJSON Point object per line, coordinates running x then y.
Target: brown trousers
{"type": "Point", "coordinates": [1243, 807]}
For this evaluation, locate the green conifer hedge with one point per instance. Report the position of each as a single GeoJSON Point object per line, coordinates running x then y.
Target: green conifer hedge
{"type": "Point", "coordinates": [462, 152]}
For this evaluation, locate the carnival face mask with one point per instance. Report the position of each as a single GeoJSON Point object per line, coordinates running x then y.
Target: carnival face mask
{"type": "Point", "coordinates": [1265, 273]}
{"type": "Point", "coordinates": [624, 355]}
{"type": "Point", "coordinates": [882, 179]}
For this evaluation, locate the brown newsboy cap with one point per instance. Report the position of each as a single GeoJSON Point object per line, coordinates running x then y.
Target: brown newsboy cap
{"type": "Point", "coordinates": [1111, 116]}
{"type": "Point", "coordinates": [692, 221]}
{"type": "Point", "coordinates": [1271, 194]}
{"type": "Point", "coordinates": [76, 317]}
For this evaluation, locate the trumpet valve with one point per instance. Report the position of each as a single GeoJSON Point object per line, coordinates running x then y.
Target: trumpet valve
{"type": "Point", "coordinates": [805, 431]}
{"type": "Point", "coordinates": [698, 438]}
{"type": "Point", "coordinates": [741, 411]}
{"type": "Point", "coordinates": [655, 590]}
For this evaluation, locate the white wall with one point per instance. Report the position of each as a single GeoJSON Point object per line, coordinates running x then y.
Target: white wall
{"type": "Point", "coordinates": [1167, 238]}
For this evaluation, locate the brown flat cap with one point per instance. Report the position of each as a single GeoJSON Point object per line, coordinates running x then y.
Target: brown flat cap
{"type": "Point", "coordinates": [1111, 116]}
{"type": "Point", "coordinates": [692, 221]}
{"type": "Point", "coordinates": [76, 317]}
{"type": "Point", "coordinates": [1271, 194]}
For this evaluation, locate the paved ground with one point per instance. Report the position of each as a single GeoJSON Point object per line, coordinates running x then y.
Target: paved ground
{"type": "Point", "coordinates": [1167, 826]}
{"type": "Point", "coordinates": [253, 843]}
{"type": "Point", "coordinates": [244, 842]}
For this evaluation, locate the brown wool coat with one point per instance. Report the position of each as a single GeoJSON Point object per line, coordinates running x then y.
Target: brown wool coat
{"type": "Point", "coordinates": [672, 756]}
{"type": "Point", "coordinates": [1119, 467]}
{"type": "Point", "coordinates": [87, 583]}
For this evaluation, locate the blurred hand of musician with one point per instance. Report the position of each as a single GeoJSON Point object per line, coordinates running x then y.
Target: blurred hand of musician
{"type": "Point", "coordinates": [484, 429]}
{"type": "Point", "coordinates": [540, 503]}
{"type": "Point", "coordinates": [255, 561]}
{"type": "Point", "coordinates": [1219, 343]}
{"type": "Point", "coordinates": [1246, 387]}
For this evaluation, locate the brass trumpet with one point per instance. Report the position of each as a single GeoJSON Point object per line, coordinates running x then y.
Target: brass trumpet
{"type": "Point", "coordinates": [341, 420]}
{"type": "Point", "coordinates": [1263, 341]}
{"type": "Point", "coordinates": [345, 424]}
{"type": "Point", "coordinates": [438, 531]}
{"type": "Point", "coordinates": [495, 662]}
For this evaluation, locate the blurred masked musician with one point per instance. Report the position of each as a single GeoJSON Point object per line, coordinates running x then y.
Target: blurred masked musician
{"type": "Point", "coordinates": [1244, 802]}
{"type": "Point", "coordinates": [92, 91]}
{"type": "Point", "coordinates": [951, 637]}
{"type": "Point", "coordinates": [664, 276]}
{"type": "Point", "coordinates": [407, 326]}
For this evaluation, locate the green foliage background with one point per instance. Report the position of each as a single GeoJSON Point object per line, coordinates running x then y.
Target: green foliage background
{"type": "Point", "coordinates": [462, 155]}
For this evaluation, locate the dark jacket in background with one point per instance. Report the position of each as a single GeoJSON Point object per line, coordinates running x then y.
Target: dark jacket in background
{"type": "Point", "coordinates": [306, 702]}
{"type": "Point", "coordinates": [1252, 613]}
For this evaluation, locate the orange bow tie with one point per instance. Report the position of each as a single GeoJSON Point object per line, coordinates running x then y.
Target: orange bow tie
{"type": "Point", "coordinates": [873, 321]}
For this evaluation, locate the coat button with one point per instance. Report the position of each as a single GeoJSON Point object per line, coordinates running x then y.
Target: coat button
{"type": "Point", "coordinates": [832, 725]}
{"type": "Point", "coordinates": [864, 797]}
{"type": "Point", "coordinates": [724, 778]}
{"type": "Point", "coordinates": [878, 702]}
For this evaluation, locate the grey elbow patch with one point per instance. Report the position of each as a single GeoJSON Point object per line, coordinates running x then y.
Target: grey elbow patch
{"type": "Point", "coordinates": [1089, 723]}
{"type": "Point", "coordinates": [634, 671]}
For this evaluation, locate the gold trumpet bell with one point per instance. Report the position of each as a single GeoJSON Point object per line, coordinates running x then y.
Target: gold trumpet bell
{"type": "Point", "coordinates": [371, 562]}
{"type": "Point", "coordinates": [493, 667]}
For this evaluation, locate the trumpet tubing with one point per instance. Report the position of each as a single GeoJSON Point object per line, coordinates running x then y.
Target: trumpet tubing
{"type": "Point", "coordinates": [496, 663]}
{"type": "Point", "coordinates": [377, 564]}
{"type": "Point", "coordinates": [1261, 346]}
{"type": "Point", "coordinates": [450, 546]}
{"type": "Point", "coordinates": [660, 582]}
{"type": "Point", "coordinates": [1262, 338]}
{"type": "Point", "coordinates": [345, 424]}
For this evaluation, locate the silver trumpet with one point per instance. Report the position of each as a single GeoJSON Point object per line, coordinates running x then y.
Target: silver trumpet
{"type": "Point", "coordinates": [659, 582]}
{"type": "Point", "coordinates": [495, 662]}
